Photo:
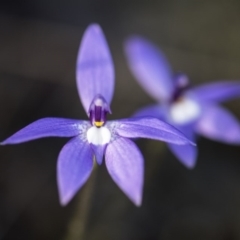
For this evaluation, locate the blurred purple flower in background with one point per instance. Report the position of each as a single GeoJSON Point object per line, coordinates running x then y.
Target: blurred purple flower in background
{"type": "Point", "coordinates": [191, 110]}
{"type": "Point", "coordinates": [94, 138]}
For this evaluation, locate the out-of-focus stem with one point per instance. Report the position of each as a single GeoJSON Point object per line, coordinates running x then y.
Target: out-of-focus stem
{"type": "Point", "coordinates": [77, 225]}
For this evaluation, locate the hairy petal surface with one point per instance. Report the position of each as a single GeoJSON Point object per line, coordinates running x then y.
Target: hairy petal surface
{"type": "Point", "coordinates": [150, 128]}
{"type": "Point", "coordinates": [75, 163]}
{"type": "Point", "coordinates": [125, 165]}
{"type": "Point", "coordinates": [155, 111]}
{"type": "Point", "coordinates": [218, 124]}
{"type": "Point", "coordinates": [150, 67]}
{"type": "Point", "coordinates": [95, 70]}
{"type": "Point", "coordinates": [47, 127]}
{"type": "Point", "coordinates": [187, 154]}
{"type": "Point", "coordinates": [219, 91]}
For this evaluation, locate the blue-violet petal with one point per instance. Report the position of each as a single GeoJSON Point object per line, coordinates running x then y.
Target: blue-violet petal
{"type": "Point", "coordinates": [75, 163]}
{"type": "Point", "coordinates": [125, 164]}
{"type": "Point", "coordinates": [150, 128]}
{"type": "Point", "coordinates": [218, 92]}
{"type": "Point", "coordinates": [95, 70]}
{"type": "Point", "coordinates": [187, 154]}
{"type": "Point", "coordinates": [150, 68]}
{"type": "Point", "coordinates": [218, 124]}
{"type": "Point", "coordinates": [47, 127]}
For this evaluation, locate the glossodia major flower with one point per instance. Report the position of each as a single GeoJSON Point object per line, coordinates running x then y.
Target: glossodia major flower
{"type": "Point", "coordinates": [98, 137]}
{"type": "Point", "coordinates": [190, 109]}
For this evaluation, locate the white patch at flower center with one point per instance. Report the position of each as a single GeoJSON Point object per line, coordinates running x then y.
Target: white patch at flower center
{"type": "Point", "coordinates": [184, 111]}
{"type": "Point", "coordinates": [98, 136]}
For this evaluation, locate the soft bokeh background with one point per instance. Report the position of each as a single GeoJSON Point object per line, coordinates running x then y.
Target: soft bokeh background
{"type": "Point", "coordinates": [39, 40]}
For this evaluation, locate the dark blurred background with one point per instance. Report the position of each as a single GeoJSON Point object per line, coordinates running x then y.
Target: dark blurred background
{"type": "Point", "coordinates": [39, 40]}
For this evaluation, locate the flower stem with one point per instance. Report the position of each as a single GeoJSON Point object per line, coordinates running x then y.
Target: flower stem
{"type": "Point", "coordinates": [76, 229]}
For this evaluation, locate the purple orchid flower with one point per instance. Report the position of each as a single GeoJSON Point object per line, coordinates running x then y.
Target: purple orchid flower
{"type": "Point", "coordinates": [94, 138]}
{"type": "Point", "coordinates": [191, 110]}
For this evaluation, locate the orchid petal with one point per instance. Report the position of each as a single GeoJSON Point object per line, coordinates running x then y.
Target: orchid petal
{"type": "Point", "coordinates": [150, 67]}
{"type": "Point", "coordinates": [124, 163]}
{"type": "Point", "coordinates": [218, 124]}
{"type": "Point", "coordinates": [95, 70]}
{"type": "Point", "coordinates": [219, 91]}
{"type": "Point", "coordinates": [75, 163]}
{"type": "Point", "coordinates": [47, 127]}
{"type": "Point", "coordinates": [99, 151]}
{"type": "Point", "coordinates": [187, 154]}
{"type": "Point", "coordinates": [150, 128]}
{"type": "Point", "coordinates": [155, 111]}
